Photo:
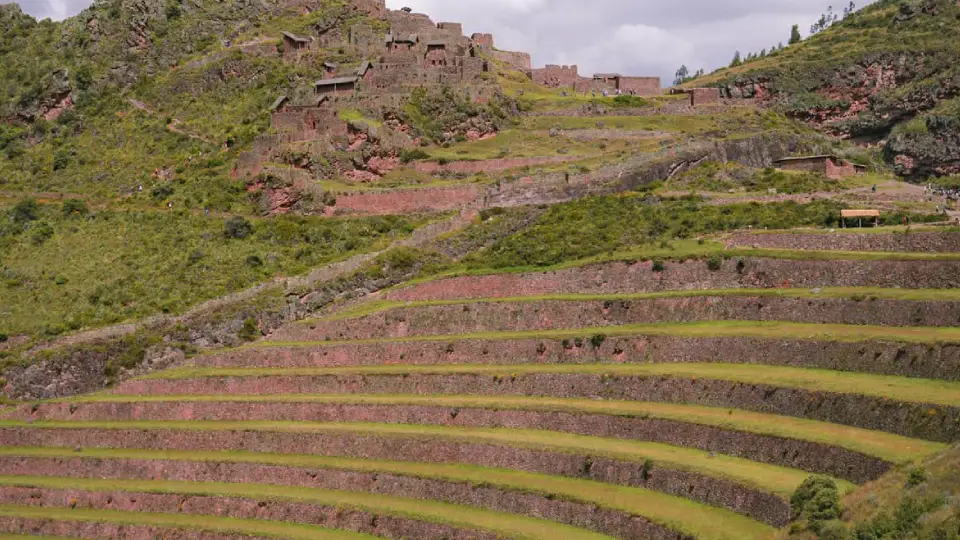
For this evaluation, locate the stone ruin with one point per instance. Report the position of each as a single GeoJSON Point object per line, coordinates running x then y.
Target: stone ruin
{"type": "Point", "coordinates": [568, 77]}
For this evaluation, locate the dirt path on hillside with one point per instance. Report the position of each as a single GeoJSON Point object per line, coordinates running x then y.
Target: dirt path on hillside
{"type": "Point", "coordinates": [173, 126]}
{"type": "Point", "coordinates": [330, 272]}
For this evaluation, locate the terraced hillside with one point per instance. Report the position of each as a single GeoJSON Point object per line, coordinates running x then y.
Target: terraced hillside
{"type": "Point", "coordinates": [464, 307]}
{"type": "Point", "coordinates": [600, 400]}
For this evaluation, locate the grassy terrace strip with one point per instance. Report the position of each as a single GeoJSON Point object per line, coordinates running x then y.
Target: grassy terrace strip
{"type": "Point", "coordinates": [509, 525]}
{"type": "Point", "coordinates": [886, 446]}
{"type": "Point", "coordinates": [704, 329]}
{"type": "Point", "coordinates": [815, 380]}
{"type": "Point", "coordinates": [926, 295]}
{"type": "Point", "coordinates": [771, 478]}
{"type": "Point", "coordinates": [691, 249]}
{"type": "Point", "coordinates": [5, 536]}
{"type": "Point", "coordinates": [249, 527]}
{"type": "Point", "coordinates": [676, 513]}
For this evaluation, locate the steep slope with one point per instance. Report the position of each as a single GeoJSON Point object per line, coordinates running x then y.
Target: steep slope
{"type": "Point", "coordinates": [888, 73]}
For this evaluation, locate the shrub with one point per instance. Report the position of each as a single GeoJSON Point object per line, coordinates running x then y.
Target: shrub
{"type": "Point", "coordinates": [597, 340]}
{"type": "Point", "coordinates": [816, 501]}
{"type": "Point", "coordinates": [41, 233]}
{"type": "Point", "coordinates": [237, 228]}
{"type": "Point", "coordinates": [741, 265]}
{"type": "Point", "coordinates": [916, 476]}
{"type": "Point", "coordinates": [162, 192]}
{"type": "Point", "coordinates": [75, 207]}
{"type": "Point", "coordinates": [658, 265]}
{"type": "Point", "coordinates": [249, 331]}
{"type": "Point", "coordinates": [24, 211]}
{"type": "Point", "coordinates": [406, 156]}
{"type": "Point", "coordinates": [714, 263]}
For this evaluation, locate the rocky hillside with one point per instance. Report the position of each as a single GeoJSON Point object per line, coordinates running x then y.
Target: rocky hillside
{"type": "Point", "coordinates": [887, 74]}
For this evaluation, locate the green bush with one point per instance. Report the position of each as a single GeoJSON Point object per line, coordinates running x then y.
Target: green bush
{"type": "Point", "coordinates": [916, 476]}
{"type": "Point", "coordinates": [416, 154]}
{"type": "Point", "coordinates": [75, 207]}
{"type": "Point", "coordinates": [816, 501]}
{"type": "Point", "coordinates": [658, 265]}
{"type": "Point", "coordinates": [715, 263]}
{"type": "Point", "coordinates": [249, 331]}
{"type": "Point", "coordinates": [626, 101]}
{"type": "Point", "coordinates": [597, 340]}
{"type": "Point", "coordinates": [41, 233]}
{"type": "Point", "coordinates": [25, 211]}
{"type": "Point", "coordinates": [237, 228]}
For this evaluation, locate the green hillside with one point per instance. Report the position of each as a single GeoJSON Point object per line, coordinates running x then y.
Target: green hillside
{"type": "Point", "coordinates": [888, 72]}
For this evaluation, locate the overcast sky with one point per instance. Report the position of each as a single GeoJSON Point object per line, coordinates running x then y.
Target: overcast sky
{"type": "Point", "coordinates": [633, 37]}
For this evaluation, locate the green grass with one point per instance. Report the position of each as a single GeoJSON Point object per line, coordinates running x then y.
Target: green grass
{"type": "Point", "coordinates": [516, 143]}
{"type": "Point", "coordinates": [738, 119]}
{"type": "Point", "coordinates": [122, 265]}
{"type": "Point", "coordinates": [781, 481]}
{"type": "Point", "coordinates": [702, 521]}
{"type": "Point", "coordinates": [886, 446]}
{"type": "Point", "coordinates": [511, 525]}
{"type": "Point", "coordinates": [939, 392]}
{"type": "Point", "coordinates": [270, 529]}
{"type": "Point", "coordinates": [686, 250]}
{"type": "Point", "coordinates": [854, 293]}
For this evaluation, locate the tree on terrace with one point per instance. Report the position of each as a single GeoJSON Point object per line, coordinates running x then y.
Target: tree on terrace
{"type": "Point", "coordinates": [681, 75]}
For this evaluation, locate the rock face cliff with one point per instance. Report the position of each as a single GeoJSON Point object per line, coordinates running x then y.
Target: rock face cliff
{"type": "Point", "coordinates": [885, 75]}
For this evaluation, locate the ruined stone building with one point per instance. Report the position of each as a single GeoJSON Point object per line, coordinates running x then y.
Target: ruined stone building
{"type": "Point", "coordinates": [555, 76]}
{"type": "Point", "coordinates": [832, 167]}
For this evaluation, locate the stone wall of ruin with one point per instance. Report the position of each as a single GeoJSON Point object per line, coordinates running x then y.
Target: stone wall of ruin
{"type": "Point", "coordinates": [404, 202]}
{"type": "Point", "coordinates": [519, 60]}
{"type": "Point", "coordinates": [704, 96]}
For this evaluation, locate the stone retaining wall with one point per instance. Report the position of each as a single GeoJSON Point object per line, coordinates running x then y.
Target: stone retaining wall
{"type": "Point", "coordinates": [331, 517]}
{"type": "Point", "coordinates": [625, 277]}
{"type": "Point", "coordinates": [579, 514]}
{"type": "Point", "coordinates": [809, 456]}
{"type": "Point", "coordinates": [557, 314]}
{"type": "Point", "coordinates": [488, 165]}
{"type": "Point", "coordinates": [89, 529]}
{"type": "Point", "coordinates": [919, 420]}
{"type": "Point", "coordinates": [926, 242]}
{"type": "Point", "coordinates": [930, 361]}
{"type": "Point", "coordinates": [762, 506]}
{"type": "Point", "coordinates": [405, 201]}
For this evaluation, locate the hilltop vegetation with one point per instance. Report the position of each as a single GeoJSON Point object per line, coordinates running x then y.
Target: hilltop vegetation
{"type": "Point", "coordinates": [887, 72]}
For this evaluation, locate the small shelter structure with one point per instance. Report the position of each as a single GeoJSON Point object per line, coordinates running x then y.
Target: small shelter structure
{"type": "Point", "coordinates": [339, 85]}
{"type": "Point", "coordinates": [860, 215]}
{"type": "Point", "coordinates": [831, 166]}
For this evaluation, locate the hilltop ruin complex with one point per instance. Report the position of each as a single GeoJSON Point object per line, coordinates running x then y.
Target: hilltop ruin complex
{"type": "Point", "coordinates": [372, 65]}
